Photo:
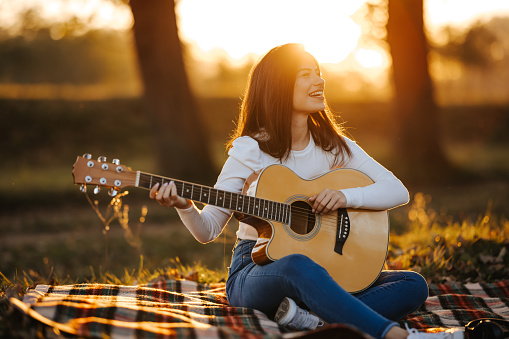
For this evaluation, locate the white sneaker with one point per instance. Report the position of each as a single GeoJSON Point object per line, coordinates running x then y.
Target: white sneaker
{"type": "Point", "coordinates": [451, 333]}
{"type": "Point", "coordinates": [293, 317]}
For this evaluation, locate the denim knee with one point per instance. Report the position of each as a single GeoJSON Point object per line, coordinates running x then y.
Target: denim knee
{"type": "Point", "coordinates": [420, 286]}
{"type": "Point", "coordinates": [299, 266]}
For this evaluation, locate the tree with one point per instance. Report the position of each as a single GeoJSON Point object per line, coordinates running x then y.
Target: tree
{"type": "Point", "coordinates": [179, 135]}
{"type": "Point", "coordinates": [418, 137]}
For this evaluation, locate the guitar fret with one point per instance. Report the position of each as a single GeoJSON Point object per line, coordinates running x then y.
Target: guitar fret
{"type": "Point", "coordinates": [221, 199]}
{"type": "Point", "coordinates": [189, 194]}
{"type": "Point", "coordinates": [254, 206]}
{"type": "Point", "coordinates": [197, 193]}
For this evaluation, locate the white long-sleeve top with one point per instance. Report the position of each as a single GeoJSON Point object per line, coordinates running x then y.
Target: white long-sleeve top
{"type": "Point", "coordinates": [245, 157]}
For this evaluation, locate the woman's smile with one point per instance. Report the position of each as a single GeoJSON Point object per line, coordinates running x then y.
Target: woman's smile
{"type": "Point", "coordinates": [308, 90]}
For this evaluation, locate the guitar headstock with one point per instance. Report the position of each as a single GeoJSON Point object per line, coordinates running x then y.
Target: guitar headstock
{"type": "Point", "coordinates": [103, 174]}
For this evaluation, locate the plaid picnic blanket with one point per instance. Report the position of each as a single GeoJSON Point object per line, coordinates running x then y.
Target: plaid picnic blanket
{"type": "Point", "coordinates": [165, 308]}
{"type": "Point", "coordinates": [186, 309]}
{"type": "Point", "coordinates": [455, 304]}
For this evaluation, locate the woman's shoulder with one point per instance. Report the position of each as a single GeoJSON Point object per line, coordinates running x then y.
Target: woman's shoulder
{"type": "Point", "coordinates": [242, 144]}
{"type": "Point", "coordinates": [351, 144]}
{"type": "Point", "coordinates": [246, 150]}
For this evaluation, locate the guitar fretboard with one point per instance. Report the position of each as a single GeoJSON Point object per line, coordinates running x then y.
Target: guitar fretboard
{"type": "Point", "coordinates": [257, 207]}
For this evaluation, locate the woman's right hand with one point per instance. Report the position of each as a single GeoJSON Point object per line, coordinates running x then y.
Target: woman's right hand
{"type": "Point", "coordinates": [167, 196]}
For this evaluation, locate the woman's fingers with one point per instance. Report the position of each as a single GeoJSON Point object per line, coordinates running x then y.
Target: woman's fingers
{"type": "Point", "coordinates": [161, 193]}
{"type": "Point", "coordinates": [153, 191]}
{"type": "Point", "coordinates": [328, 200]}
{"type": "Point", "coordinates": [167, 195]}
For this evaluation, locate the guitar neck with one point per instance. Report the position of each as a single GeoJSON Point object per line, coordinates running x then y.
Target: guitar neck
{"type": "Point", "coordinates": [262, 208]}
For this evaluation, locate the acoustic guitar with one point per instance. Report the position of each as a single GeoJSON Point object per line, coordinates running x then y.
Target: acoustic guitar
{"type": "Point", "coordinates": [351, 244]}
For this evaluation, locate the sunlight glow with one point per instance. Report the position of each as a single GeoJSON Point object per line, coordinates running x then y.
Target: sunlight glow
{"type": "Point", "coordinates": [461, 12]}
{"type": "Point", "coordinates": [324, 27]}
{"type": "Point", "coordinates": [243, 27]}
{"type": "Point", "coordinates": [98, 14]}
{"type": "Point", "coordinates": [369, 58]}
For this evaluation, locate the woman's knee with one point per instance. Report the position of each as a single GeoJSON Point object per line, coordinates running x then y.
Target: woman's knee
{"type": "Point", "coordinates": [419, 286]}
{"type": "Point", "coordinates": [299, 266]}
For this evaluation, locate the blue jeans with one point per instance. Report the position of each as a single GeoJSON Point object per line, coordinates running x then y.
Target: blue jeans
{"type": "Point", "coordinates": [374, 311]}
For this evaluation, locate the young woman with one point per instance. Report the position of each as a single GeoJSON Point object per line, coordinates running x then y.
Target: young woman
{"type": "Point", "coordinates": [284, 120]}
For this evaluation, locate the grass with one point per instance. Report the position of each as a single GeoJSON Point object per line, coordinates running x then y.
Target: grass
{"type": "Point", "coordinates": [442, 249]}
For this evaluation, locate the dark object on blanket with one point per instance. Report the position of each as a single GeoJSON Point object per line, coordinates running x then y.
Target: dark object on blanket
{"type": "Point", "coordinates": [485, 329]}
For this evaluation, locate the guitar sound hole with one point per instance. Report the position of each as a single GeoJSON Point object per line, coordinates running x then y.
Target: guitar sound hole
{"type": "Point", "coordinates": [302, 219]}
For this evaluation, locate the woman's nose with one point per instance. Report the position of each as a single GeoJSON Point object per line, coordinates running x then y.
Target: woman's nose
{"type": "Point", "coordinates": [319, 80]}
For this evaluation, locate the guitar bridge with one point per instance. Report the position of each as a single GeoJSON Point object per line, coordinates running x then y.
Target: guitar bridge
{"type": "Point", "coordinates": [342, 230]}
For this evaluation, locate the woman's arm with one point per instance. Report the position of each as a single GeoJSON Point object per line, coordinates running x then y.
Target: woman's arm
{"type": "Point", "coordinates": [386, 192]}
{"type": "Point", "coordinates": [207, 224]}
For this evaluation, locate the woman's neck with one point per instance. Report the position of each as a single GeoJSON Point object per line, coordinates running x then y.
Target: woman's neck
{"type": "Point", "coordinates": [300, 133]}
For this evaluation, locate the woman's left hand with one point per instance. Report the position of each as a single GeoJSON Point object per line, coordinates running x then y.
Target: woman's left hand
{"type": "Point", "coordinates": [328, 200]}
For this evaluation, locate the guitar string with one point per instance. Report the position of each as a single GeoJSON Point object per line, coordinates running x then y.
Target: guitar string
{"type": "Point", "coordinates": [297, 213]}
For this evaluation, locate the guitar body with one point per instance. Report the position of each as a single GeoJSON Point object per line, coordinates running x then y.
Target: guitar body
{"type": "Point", "coordinates": [365, 249]}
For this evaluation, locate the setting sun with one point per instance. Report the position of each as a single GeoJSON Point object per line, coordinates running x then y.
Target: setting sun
{"type": "Point", "coordinates": [369, 58]}
{"type": "Point", "coordinates": [240, 27]}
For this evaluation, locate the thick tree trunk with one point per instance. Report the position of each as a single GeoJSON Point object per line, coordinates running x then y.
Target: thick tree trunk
{"type": "Point", "coordinates": [418, 137]}
{"type": "Point", "coordinates": [182, 145]}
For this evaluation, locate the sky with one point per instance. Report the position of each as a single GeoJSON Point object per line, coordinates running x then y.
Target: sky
{"type": "Point", "coordinates": [241, 27]}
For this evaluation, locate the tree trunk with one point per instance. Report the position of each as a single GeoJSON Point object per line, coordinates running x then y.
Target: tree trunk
{"type": "Point", "coordinates": [418, 136]}
{"type": "Point", "coordinates": [181, 142]}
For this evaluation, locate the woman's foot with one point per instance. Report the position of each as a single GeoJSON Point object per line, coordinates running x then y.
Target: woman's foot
{"type": "Point", "coordinates": [293, 317]}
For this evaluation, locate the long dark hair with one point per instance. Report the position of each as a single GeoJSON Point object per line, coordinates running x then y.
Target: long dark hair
{"type": "Point", "coordinates": [266, 110]}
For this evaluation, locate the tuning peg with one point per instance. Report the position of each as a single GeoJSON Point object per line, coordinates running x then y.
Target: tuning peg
{"type": "Point", "coordinates": [87, 156]}
{"type": "Point", "coordinates": [97, 189]}
{"type": "Point", "coordinates": [83, 188]}
{"type": "Point", "coordinates": [101, 159]}
{"type": "Point", "coordinates": [112, 192]}
{"type": "Point", "coordinates": [116, 162]}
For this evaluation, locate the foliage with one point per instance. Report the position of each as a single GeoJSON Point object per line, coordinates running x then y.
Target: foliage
{"type": "Point", "coordinates": [442, 249]}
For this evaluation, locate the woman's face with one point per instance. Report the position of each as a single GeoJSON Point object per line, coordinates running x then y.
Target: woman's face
{"type": "Point", "coordinates": [308, 90]}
